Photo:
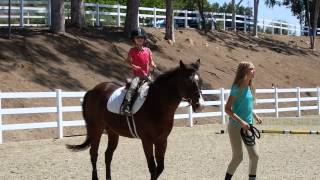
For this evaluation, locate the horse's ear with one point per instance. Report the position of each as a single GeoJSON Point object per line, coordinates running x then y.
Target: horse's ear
{"type": "Point", "coordinates": [198, 62]}
{"type": "Point", "coordinates": [196, 65]}
{"type": "Point", "coordinates": [182, 66]}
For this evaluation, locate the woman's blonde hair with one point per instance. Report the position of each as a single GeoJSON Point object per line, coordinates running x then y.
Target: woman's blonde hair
{"type": "Point", "coordinates": [242, 70]}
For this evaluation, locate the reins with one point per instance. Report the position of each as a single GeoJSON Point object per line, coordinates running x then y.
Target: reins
{"type": "Point", "coordinates": [249, 136]}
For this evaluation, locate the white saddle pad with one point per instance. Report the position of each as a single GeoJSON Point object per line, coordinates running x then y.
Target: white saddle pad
{"type": "Point", "coordinates": [116, 99]}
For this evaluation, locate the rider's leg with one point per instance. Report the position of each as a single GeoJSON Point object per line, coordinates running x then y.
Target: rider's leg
{"type": "Point", "coordinates": [126, 106]}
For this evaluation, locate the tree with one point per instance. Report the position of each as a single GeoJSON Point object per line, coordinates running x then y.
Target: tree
{"type": "Point", "coordinates": [255, 18]}
{"type": "Point", "coordinates": [234, 25]}
{"type": "Point", "coordinates": [77, 13]}
{"type": "Point", "coordinates": [200, 4]}
{"type": "Point", "coordinates": [131, 21]}
{"type": "Point", "coordinates": [234, 11]}
{"type": "Point", "coordinates": [316, 4]}
{"type": "Point", "coordinates": [169, 21]}
{"type": "Point", "coordinates": [57, 16]}
{"type": "Point", "coordinates": [307, 12]}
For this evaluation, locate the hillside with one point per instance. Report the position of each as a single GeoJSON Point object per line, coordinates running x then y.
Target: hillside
{"type": "Point", "coordinates": [36, 60]}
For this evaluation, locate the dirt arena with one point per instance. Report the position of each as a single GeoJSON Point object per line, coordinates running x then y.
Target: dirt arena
{"type": "Point", "coordinates": [193, 153]}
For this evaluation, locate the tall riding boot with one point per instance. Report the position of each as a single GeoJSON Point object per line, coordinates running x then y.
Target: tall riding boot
{"type": "Point", "coordinates": [252, 177]}
{"type": "Point", "coordinates": [126, 107]}
{"type": "Point", "coordinates": [228, 176]}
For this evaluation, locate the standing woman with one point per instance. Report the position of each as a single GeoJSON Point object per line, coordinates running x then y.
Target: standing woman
{"type": "Point", "coordinates": [239, 107]}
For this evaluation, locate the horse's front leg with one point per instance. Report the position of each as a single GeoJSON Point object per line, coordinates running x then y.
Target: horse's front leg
{"type": "Point", "coordinates": [160, 150]}
{"type": "Point", "coordinates": [113, 140]}
{"type": "Point", "coordinates": [148, 151]}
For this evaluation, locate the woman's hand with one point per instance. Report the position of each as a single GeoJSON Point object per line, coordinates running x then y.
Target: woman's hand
{"type": "Point", "coordinates": [258, 119]}
{"type": "Point", "coordinates": [244, 125]}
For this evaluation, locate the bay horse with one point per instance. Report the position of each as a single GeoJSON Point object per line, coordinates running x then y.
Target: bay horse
{"type": "Point", "coordinates": [153, 121]}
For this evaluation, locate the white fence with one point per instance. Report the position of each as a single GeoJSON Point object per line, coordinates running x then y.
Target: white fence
{"type": "Point", "coordinates": [27, 11]}
{"type": "Point", "coordinates": [59, 109]}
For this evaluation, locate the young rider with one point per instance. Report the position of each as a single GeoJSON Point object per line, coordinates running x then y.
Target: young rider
{"type": "Point", "coordinates": [140, 60]}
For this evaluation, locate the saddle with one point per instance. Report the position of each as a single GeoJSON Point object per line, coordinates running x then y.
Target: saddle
{"type": "Point", "coordinates": [115, 100]}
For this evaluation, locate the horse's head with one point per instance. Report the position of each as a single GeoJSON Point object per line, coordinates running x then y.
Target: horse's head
{"type": "Point", "coordinates": [189, 85]}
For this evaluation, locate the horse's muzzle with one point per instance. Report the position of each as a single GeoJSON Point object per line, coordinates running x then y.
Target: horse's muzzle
{"type": "Point", "coordinates": [198, 107]}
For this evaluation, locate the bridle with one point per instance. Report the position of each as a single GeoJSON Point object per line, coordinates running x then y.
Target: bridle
{"type": "Point", "coordinates": [248, 136]}
{"type": "Point", "coordinates": [189, 100]}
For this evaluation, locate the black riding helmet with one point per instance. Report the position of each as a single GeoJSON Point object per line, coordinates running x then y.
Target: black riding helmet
{"type": "Point", "coordinates": [139, 32]}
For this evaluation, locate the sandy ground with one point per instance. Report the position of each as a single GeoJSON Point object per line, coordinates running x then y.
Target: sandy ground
{"type": "Point", "coordinates": [193, 153]}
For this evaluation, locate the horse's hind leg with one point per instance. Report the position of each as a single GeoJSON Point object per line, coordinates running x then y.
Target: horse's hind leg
{"type": "Point", "coordinates": [160, 150]}
{"type": "Point", "coordinates": [113, 140]}
{"type": "Point", "coordinates": [95, 133]}
{"type": "Point", "coordinates": [148, 151]}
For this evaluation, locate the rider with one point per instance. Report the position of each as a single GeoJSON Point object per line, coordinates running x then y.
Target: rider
{"type": "Point", "coordinates": [140, 60]}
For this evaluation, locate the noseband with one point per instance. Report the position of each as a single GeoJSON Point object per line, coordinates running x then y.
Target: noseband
{"type": "Point", "coordinates": [248, 136]}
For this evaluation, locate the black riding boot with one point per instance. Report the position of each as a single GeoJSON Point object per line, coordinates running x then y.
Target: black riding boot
{"type": "Point", "coordinates": [130, 97]}
{"type": "Point", "coordinates": [228, 176]}
{"type": "Point", "coordinates": [252, 177]}
{"type": "Point", "coordinates": [125, 108]}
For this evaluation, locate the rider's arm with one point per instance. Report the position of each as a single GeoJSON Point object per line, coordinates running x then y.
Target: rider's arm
{"type": "Point", "coordinates": [129, 61]}
{"type": "Point", "coordinates": [152, 64]}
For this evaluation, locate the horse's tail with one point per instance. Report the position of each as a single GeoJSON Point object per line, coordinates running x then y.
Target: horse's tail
{"type": "Point", "coordinates": [87, 142]}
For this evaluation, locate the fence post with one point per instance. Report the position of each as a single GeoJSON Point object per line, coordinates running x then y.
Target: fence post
{"type": "Point", "coordinates": [272, 27]}
{"type": "Point", "coordinates": [190, 116]}
{"type": "Point", "coordinates": [245, 24]}
{"type": "Point", "coordinates": [21, 13]}
{"type": "Point", "coordinates": [154, 17]}
{"type": "Point", "coordinates": [92, 19]}
{"type": "Point", "coordinates": [223, 118]}
{"type": "Point", "coordinates": [97, 14]}
{"type": "Point", "coordinates": [280, 28]}
{"type": "Point", "coordinates": [59, 113]}
{"type": "Point", "coordinates": [28, 19]}
{"type": "Point", "coordinates": [298, 101]}
{"type": "Point", "coordinates": [224, 21]}
{"type": "Point", "coordinates": [118, 16]}
{"type": "Point", "coordinates": [138, 21]}
{"type": "Point", "coordinates": [49, 13]}
{"type": "Point", "coordinates": [1, 138]}
{"type": "Point", "coordinates": [318, 95]}
{"type": "Point", "coordinates": [185, 18]}
{"type": "Point", "coordinates": [276, 103]}
{"type": "Point", "coordinates": [263, 26]}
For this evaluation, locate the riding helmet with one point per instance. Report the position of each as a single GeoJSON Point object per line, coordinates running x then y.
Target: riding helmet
{"type": "Point", "coordinates": [139, 32]}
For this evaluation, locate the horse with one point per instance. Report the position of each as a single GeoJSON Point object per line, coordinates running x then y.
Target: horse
{"type": "Point", "coordinates": [153, 121]}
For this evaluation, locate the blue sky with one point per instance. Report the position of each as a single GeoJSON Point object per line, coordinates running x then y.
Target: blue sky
{"type": "Point", "coordinates": [276, 13]}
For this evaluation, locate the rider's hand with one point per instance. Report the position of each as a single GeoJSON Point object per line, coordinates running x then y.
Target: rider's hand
{"type": "Point", "coordinates": [154, 66]}
{"type": "Point", "coordinates": [137, 68]}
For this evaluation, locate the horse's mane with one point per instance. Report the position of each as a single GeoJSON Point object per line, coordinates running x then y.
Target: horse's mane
{"type": "Point", "coordinates": [165, 76]}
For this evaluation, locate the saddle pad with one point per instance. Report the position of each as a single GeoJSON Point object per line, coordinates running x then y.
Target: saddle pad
{"type": "Point", "coordinates": [116, 99]}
